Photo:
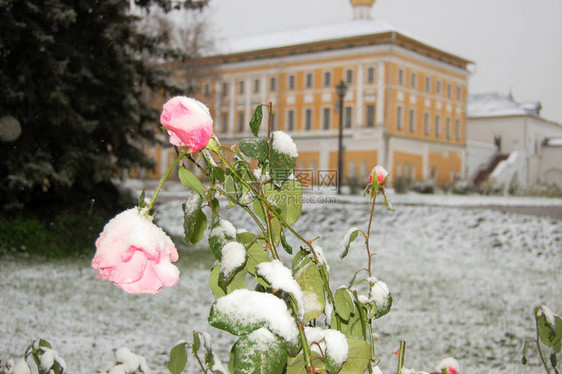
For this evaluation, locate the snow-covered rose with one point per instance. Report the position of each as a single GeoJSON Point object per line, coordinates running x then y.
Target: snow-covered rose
{"type": "Point", "coordinates": [188, 122]}
{"type": "Point", "coordinates": [135, 254]}
{"type": "Point", "coordinates": [379, 174]}
{"type": "Point", "coordinates": [450, 364]}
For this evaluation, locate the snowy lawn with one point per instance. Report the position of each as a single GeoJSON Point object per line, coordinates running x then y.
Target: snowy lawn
{"type": "Point", "coordinates": [465, 281]}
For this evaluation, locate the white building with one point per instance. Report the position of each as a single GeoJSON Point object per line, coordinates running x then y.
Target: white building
{"type": "Point", "coordinates": [511, 142]}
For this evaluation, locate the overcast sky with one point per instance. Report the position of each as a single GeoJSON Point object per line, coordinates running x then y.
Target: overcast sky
{"type": "Point", "coordinates": [516, 44]}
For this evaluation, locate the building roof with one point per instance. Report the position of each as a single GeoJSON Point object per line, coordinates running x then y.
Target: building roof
{"type": "Point", "coordinates": [359, 32]}
{"type": "Point", "coordinates": [497, 105]}
{"type": "Point", "coordinates": [305, 35]}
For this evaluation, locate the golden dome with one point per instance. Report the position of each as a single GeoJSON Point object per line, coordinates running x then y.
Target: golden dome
{"type": "Point", "coordinates": [362, 2]}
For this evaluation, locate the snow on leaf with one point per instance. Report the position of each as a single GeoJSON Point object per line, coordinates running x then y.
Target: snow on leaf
{"type": "Point", "coordinates": [280, 277]}
{"type": "Point", "coordinates": [244, 311]}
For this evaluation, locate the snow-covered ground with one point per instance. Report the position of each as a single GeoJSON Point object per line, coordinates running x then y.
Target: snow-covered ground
{"type": "Point", "coordinates": [465, 280]}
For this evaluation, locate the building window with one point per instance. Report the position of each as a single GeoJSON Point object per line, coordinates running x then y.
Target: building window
{"type": "Point", "coordinates": [290, 120]}
{"type": "Point", "coordinates": [240, 87]}
{"type": "Point", "coordinates": [458, 129]}
{"type": "Point", "coordinates": [309, 80]}
{"type": "Point", "coordinates": [308, 119]}
{"type": "Point", "coordinates": [326, 118]}
{"type": "Point", "coordinates": [399, 117]}
{"type": "Point", "coordinates": [400, 76]}
{"type": "Point", "coordinates": [224, 122]}
{"type": "Point", "coordinates": [256, 85]}
{"type": "Point", "coordinates": [426, 123]}
{"type": "Point", "coordinates": [438, 87]}
{"type": "Point", "coordinates": [291, 82]}
{"type": "Point", "coordinates": [207, 89]}
{"type": "Point", "coordinates": [349, 76]}
{"type": "Point", "coordinates": [364, 171]}
{"type": "Point", "coordinates": [448, 128]}
{"type": "Point", "coordinates": [412, 120]}
{"type": "Point", "coordinates": [370, 115]}
{"type": "Point", "coordinates": [371, 75]}
{"type": "Point", "coordinates": [449, 90]}
{"type": "Point", "coordinates": [352, 171]}
{"type": "Point", "coordinates": [327, 80]}
{"type": "Point", "coordinates": [413, 80]}
{"type": "Point", "coordinates": [224, 90]}
{"type": "Point", "coordinates": [428, 84]}
{"type": "Point", "coordinates": [437, 126]}
{"type": "Point", "coordinates": [272, 84]}
{"type": "Point", "coordinates": [459, 92]}
{"type": "Point", "coordinates": [240, 121]}
{"type": "Point", "coordinates": [347, 117]}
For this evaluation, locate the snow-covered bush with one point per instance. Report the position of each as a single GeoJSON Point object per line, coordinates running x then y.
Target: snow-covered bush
{"type": "Point", "coordinates": [425, 186]}
{"type": "Point", "coordinates": [462, 187]}
{"type": "Point", "coordinates": [287, 316]}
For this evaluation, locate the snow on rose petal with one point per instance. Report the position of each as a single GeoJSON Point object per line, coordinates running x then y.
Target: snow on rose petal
{"type": "Point", "coordinates": [135, 254]}
{"type": "Point", "coordinates": [188, 122]}
{"type": "Point", "coordinates": [379, 173]}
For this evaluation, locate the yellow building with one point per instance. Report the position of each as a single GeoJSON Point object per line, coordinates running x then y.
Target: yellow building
{"type": "Point", "coordinates": [405, 106]}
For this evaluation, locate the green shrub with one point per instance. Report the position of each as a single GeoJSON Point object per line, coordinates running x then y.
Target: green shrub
{"type": "Point", "coordinates": [402, 185]}
{"type": "Point", "coordinates": [426, 186]}
{"type": "Point", "coordinates": [66, 234]}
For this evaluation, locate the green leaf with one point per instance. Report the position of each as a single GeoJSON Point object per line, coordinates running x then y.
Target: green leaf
{"type": "Point", "coordinates": [281, 165]}
{"type": "Point", "coordinates": [256, 255]}
{"type": "Point", "coordinates": [259, 210]}
{"type": "Point", "coordinates": [260, 352]}
{"type": "Point", "coordinates": [285, 244]}
{"type": "Point", "coordinates": [312, 285]}
{"type": "Point", "coordinates": [194, 220]}
{"type": "Point", "coordinates": [221, 233]}
{"type": "Point", "coordinates": [344, 305]}
{"type": "Point", "coordinates": [235, 326]}
{"type": "Point", "coordinates": [297, 366]}
{"type": "Point", "coordinates": [346, 244]}
{"type": "Point", "coordinates": [218, 174]}
{"type": "Point", "coordinates": [256, 148]}
{"type": "Point", "coordinates": [386, 202]}
{"type": "Point", "coordinates": [288, 199]}
{"type": "Point", "coordinates": [218, 286]}
{"type": "Point", "coordinates": [255, 122]}
{"type": "Point", "coordinates": [352, 327]}
{"type": "Point", "coordinates": [196, 343]}
{"type": "Point", "coordinates": [199, 229]}
{"type": "Point", "coordinates": [141, 200]}
{"type": "Point", "coordinates": [358, 357]}
{"type": "Point", "coordinates": [190, 180]}
{"type": "Point", "coordinates": [178, 359]}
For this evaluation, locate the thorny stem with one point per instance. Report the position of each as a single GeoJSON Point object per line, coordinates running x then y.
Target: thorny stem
{"type": "Point", "coordinates": [182, 155]}
{"type": "Point", "coordinates": [302, 336]}
{"type": "Point", "coordinates": [401, 354]}
{"type": "Point", "coordinates": [369, 235]}
{"type": "Point", "coordinates": [270, 237]}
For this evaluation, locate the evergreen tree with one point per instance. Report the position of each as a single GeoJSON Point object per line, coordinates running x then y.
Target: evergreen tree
{"type": "Point", "coordinates": [75, 74]}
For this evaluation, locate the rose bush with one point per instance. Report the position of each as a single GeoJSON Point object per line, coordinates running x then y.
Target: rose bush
{"type": "Point", "coordinates": [135, 254]}
{"type": "Point", "coordinates": [188, 122]}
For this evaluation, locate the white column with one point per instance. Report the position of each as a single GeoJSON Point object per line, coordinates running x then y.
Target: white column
{"type": "Point", "coordinates": [359, 97]}
{"type": "Point", "coordinates": [247, 103]}
{"type": "Point", "coordinates": [381, 89]}
{"type": "Point", "coordinates": [425, 161]}
{"type": "Point", "coordinates": [232, 112]}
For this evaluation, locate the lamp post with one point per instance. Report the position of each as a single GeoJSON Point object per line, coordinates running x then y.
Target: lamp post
{"type": "Point", "coordinates": [340, 90]}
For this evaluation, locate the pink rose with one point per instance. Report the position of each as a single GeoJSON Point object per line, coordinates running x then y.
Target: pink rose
{"type": "Point", "coordinates": [380, 173]}
{"type": "Point", "coordinates": [135, 254]}
{"type": "Point", "coordinates": [188, 122]}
